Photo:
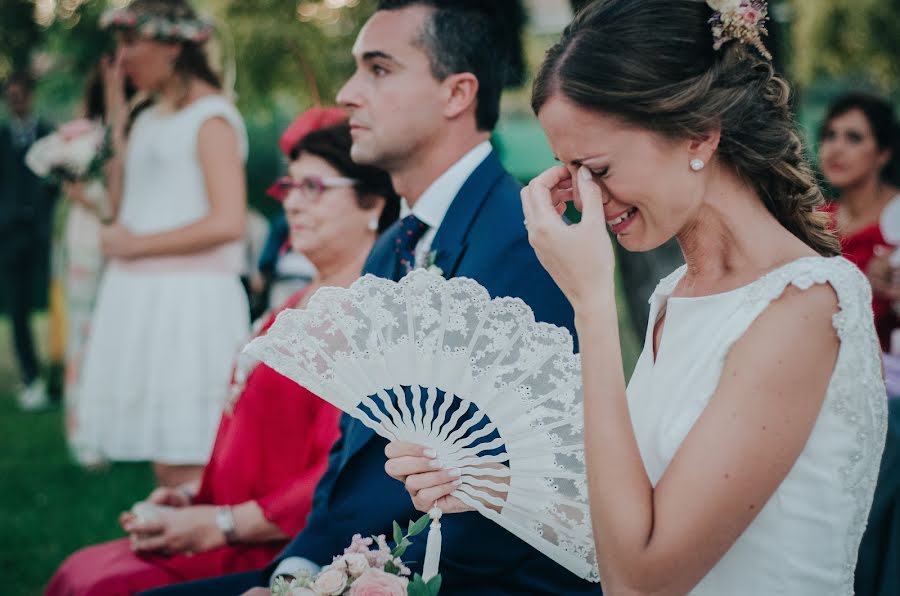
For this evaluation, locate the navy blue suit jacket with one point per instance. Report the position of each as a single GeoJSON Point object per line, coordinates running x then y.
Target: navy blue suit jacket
{"type": "Point", "coordinates": [482, 237]}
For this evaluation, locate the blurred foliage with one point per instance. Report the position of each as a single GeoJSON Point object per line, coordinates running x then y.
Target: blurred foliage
{"type": "Point", "coordinates": [847, 38]}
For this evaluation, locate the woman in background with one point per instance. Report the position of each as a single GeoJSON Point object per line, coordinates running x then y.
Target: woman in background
{"type": "Point", "coordinates": [858, 147]}
{"type": "Point", "coordinates": [171, 311]}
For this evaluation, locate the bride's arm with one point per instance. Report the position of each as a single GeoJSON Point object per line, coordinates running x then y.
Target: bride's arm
{"type": "Point", "coordinates": [664, 540]}
{"type": "Point", "coordinates": [223, 173]}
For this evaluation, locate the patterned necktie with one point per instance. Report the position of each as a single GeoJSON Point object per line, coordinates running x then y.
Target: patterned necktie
{"type": "Point", "coordinates": [411, 231]}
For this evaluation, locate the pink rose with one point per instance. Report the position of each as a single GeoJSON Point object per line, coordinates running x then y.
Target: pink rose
{"type": "Point", "coordinates": [752, 16]}
{"type": "Point", "coordinates": [376, 582]}
{"type": "Point", "coordinates": [76, 128]}
{"type": "Point", "coordinates": [331, 581]}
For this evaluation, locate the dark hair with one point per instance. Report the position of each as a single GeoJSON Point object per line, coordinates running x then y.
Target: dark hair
{"type": "Point", "coordinates": [23, 79]}
{"type": "Point", "coordinates": [333, 145]}
{"type": "Point", "coordinates": [192, 61]}
{"type": "Point", "coordinates": [880, 115]}
{"type": "Point", "coordinates": [482, 37]}
{"type": "Point", "coordinates": [652, 64]}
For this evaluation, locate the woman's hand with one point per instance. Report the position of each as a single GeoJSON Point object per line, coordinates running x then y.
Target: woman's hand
{"type": "Point", "coordinates": [163, 495]}
{"type": "Point", "coordinates": [427, 484]}
{"type": "Point", "coordinates": [118, 242]}
{"type": "Point", "coordinates": [187, 529]}
{"type": "Point", "coordinates": [579, 257]}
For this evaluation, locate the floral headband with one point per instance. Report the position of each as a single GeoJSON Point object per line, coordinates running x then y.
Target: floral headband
{"type": "Point", "coordinates": [157, 27]}
{"type": "Point", "coordinates": [739, 20]}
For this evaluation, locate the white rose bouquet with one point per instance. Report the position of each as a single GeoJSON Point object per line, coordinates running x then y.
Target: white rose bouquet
{"type": "Point", "coordinates": [368, 567]}
{"type": "Point", "coordinates": [76, 151]}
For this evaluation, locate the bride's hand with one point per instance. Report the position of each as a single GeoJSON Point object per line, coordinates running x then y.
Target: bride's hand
{"type": "Point", "coordinates": [580, 256]}
{"type": "Point", "coordinates": [425, 481]}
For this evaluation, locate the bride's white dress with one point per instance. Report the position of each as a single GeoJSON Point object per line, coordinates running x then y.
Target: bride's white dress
{"type": "Point", "coordinates": [805, 539]}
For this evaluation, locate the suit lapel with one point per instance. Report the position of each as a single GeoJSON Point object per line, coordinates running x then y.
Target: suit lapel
{"type": "Point", "coordinates": [449, 246]}
{"type": "Point", "coordinates": [451, 241]}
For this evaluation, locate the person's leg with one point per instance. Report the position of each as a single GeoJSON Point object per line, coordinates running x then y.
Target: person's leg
{"type": "Point", "coordinates": [19, 281]}
{"type": "Point", "coordinates": [176, 475]}
{"type": "Point", "coordinates": [226, 585]}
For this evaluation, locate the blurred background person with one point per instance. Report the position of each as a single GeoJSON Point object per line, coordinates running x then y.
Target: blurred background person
{"type": "Point", "coordinates": [86, 209]}
{"type": "Point", "coordinates": [858, 145]}
{"type": "Point", "coordinates": [283, 269]}
{"type": "Point", "coordinates": [275, 436]}
{"type": "Point", "coordinates": [171, 310]}
{"type": "Point", "coordinates": [26, 211]}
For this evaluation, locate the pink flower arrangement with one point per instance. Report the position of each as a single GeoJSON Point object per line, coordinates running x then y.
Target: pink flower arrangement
{"type": "Point", "coordinates": [368, 567]}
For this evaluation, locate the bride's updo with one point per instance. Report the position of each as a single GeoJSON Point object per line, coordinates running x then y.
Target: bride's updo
{"type": "Point", "coordinates": [652, 63]}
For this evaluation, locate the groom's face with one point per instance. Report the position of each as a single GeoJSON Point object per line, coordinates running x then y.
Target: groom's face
{"type": "Point", "coordinates": [395, 103]}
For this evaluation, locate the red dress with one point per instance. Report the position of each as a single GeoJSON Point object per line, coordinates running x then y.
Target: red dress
{"type": "Point", "coordinates": [272, 449]}
{"type": "Point", "coordinates": [859, 248]}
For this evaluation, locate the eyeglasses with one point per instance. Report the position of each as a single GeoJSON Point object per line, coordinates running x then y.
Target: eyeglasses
{"type": "Point", "coordinates": [311, 187]}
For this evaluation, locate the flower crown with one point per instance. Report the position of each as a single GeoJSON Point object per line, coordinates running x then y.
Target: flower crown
{"type": "Point", "coordinates": [157, 27]}
{"type": "Point", "coordinates": [739, 20]}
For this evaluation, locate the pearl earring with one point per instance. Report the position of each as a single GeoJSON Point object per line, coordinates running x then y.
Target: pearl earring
{"type": "Point", "coordinates": [697, 164]}
{"type": "Point", "coordinates": [373, 225]}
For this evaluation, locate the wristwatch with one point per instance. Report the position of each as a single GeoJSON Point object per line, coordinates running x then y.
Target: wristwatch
{"type": "Point", "coordinates": [225, 522]}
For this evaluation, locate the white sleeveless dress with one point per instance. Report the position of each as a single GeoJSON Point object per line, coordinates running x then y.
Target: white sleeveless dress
{"type": "Point", "coordinates": [805, 539]}
{"type": "Point", "coordinates": [165, 329]}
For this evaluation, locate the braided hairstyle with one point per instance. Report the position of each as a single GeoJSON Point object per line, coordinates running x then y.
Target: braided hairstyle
{"type": "Point", "coordinates": [652, 64]}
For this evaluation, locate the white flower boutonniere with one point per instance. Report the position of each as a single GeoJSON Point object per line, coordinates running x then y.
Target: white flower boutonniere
{"type": "Point", "coordinates": [430, 264]}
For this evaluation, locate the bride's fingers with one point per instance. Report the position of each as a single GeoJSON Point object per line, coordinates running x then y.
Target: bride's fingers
{"type": "Point", "coordinates": [405, 466]}
{"type": "Point", "coordinates": [399, 449]}
{"type": "Point", "coordinates": [419, 482]}
{"type": "Point", "coordinates": [558, 176]}
{"type": "Point", "coordinates": [425, 499]}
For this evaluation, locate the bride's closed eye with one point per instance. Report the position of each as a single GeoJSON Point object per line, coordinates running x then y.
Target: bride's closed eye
{"type": "Point", "coordinates": [600, 172]}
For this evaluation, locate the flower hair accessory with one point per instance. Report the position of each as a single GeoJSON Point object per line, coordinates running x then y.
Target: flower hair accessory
{"type": "Point", "coordinates": [157, 27]}
{"type": "Point", "coordinates": [739, 20]}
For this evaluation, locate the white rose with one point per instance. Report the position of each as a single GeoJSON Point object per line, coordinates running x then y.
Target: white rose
{"type": "Point", "coordinates": [331, 581]}
{"type": "Point", "coordinates": [357, 564]}
{"type": "Point", "coordinates": [723, 5]}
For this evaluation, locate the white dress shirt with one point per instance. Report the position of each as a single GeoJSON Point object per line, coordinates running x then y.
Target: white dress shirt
{"type": "Point", "coordinates": [431, 208]}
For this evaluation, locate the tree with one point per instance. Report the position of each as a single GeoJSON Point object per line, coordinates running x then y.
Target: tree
{"type": "Point", "coordinates": [847, 38]}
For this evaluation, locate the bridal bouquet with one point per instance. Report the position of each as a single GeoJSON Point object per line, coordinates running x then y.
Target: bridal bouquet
{"type": "Point", "coordinates": [368, 567]}
{"type": "Point", "coordinates": [76, 151]}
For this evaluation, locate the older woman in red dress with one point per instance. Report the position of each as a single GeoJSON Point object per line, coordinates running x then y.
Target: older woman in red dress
{"type": "Point", "coordinates": [273, 441]}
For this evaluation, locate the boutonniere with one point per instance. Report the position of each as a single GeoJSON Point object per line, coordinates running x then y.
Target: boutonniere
{"type": "Point", "coordinates": [430, 264]}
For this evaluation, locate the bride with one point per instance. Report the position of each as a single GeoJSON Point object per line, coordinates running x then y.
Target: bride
{"type": "Point", "coordinates": [742, 457]}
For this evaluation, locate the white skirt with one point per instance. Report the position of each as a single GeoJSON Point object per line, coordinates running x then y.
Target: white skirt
{"type": "Point", "coordinates": [158, 364]}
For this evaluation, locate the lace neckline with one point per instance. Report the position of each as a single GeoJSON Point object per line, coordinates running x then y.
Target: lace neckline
{"type": "Point", "coordinates": [665, 287]}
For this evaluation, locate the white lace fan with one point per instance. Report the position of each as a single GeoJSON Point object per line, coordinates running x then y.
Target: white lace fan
{"type": "Point", "coordinates": [436, 362]}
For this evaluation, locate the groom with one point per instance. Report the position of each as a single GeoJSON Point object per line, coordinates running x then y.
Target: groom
{"type": "Point", "coordinates": [423, 102]}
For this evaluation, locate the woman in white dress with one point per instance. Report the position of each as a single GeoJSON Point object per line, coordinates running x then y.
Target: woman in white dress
{"type": "Point", "coordinates": [742, 457]}
{"type": "Point", "coordinates": [171, 311]}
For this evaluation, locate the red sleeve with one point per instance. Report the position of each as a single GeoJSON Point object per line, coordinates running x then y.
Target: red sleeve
{"type": "Point", "coordinates": [288, 504]}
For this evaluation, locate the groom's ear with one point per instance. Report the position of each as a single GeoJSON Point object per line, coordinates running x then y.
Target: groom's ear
{"type": "Point", "coordinates": [461, 92]}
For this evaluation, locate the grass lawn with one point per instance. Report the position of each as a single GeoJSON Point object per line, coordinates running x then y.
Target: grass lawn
{"type": "Point", "coordinates": [50, 507]}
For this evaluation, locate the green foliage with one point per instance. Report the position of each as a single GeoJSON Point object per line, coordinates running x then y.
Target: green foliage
{"type": "Point", "coordinates": [835, 38]}
{"type": "Point", "coordinates": [419, 587]}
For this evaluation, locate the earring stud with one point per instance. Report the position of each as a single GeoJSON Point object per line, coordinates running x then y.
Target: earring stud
{"type": "Point", "coordinates": [373, 225]}
{"type": "Point", "coordinates": [697, 164]}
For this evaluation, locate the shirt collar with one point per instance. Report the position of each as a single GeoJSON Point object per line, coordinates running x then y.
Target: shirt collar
{"type": "Point", "coordinates": [432, 206]}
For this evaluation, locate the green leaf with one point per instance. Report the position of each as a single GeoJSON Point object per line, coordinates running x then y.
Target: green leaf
{"type": "Point", "coordinates": [417, 587]}
{"type": "Point", "coordinates": [434, 585]}
{"type": "Point", "coordinates": [420, 525]}
{"type": "Point", "coordinates": [401, 548]}
{"type": "Point", "coordinates": [398, 534]}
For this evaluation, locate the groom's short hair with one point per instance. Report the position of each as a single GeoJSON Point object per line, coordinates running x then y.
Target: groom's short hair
{"type": "Point", "coordinates": [482, 37]}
